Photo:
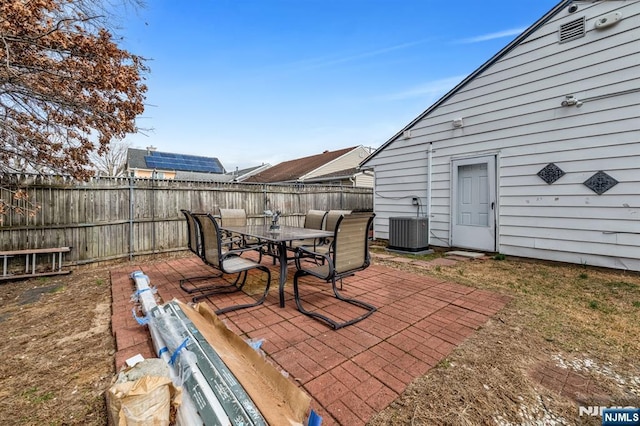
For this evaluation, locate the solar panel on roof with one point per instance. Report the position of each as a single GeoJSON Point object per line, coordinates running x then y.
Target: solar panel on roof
{"type": "Point", "coordinates": [182, 162]}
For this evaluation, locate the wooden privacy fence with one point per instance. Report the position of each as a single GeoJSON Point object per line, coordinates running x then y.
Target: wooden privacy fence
{"type": "Point", "coordinates": [112, 218]}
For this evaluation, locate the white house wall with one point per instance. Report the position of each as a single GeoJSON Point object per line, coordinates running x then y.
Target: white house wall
{"type": "Point", "coordinates": [363, 180]}
{"type": "Point", "coordinates": [513, 110]}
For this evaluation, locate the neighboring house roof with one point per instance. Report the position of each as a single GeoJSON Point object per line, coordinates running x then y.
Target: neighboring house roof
{"type": "Point", "coordinates": [242, 175]}
{"type": "Point", "coordinates": [135, 158]}
{"type": "Point", "coordinates": [293, 170]}
{"type": "Point", "coordinates": [208, 177]}
{"type": "Point", "coordinates": [157, 160]}
{"type": "Point", "coordinates": [540, 22]}
{"type": "Point", "coordinates": [340, 174]}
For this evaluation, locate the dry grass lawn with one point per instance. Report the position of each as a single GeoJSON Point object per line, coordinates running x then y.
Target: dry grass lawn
{"type": "Point", "coordinates": [57, 349]}
{"type": "Point", "coordinates": [579, 321]}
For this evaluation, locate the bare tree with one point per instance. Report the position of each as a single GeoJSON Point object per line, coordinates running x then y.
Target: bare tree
{"type": "Point", "coordinates": [112, 162]}
{"type": "Point", "coordinates": [66, 89]}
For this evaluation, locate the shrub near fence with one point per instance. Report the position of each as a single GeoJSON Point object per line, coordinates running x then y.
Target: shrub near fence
{"type": "Point", "coordinates": [112, 218]}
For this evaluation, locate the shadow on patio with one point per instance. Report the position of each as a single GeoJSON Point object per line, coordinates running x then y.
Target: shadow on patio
{"type": "Point", "coordinates": [351, 373]}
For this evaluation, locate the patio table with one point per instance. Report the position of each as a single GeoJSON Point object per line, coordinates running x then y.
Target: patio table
{"type": "Point", "coordinates": [279, 237]}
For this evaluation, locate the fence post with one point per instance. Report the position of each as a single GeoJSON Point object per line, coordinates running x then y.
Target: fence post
{"type": "Point", "coordinates": [130, 218]}
{"type": "Point", "coordinates": [153, 211]}
{"type": "Point", "coordinates": [266, 202]}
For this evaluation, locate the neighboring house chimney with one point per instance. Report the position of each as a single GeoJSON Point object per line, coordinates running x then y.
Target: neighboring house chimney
{"type": "Point", "coordinates": [150, 149]}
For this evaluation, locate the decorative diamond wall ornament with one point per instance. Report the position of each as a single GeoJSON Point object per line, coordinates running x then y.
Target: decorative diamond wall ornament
{"type": "Point", "coordinates": [600, 182]}
{"type": "Point", "coordinates": [550, 173]}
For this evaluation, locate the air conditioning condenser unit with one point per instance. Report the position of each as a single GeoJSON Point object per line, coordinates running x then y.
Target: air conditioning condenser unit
{"type": "Point", "coordinates": [409, 233]}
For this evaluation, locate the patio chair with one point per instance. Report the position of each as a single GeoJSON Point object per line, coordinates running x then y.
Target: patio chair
{"type": "Point", "coordinates": [314, 219]}
{"type": "Point", "coordinates": [237, 217]}
{"type": "Point", "coordinates": [193, 233]}
{"type": "Point", "coordinates": [233, 217]}
{"type": "Point", "coordinates": [195, 246]}
{"type": "Point", "coordinates": [324, 246]}
{"type": "Point", "coordinates": [332, 218]}
{"type": "Point", "coordinates": [227, 262]}
{"type": "Point", "coordinates": [349, 255]}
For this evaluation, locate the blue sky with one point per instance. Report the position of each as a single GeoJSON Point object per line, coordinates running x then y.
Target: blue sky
{"type": "Point", "coordinates": [265, 81]}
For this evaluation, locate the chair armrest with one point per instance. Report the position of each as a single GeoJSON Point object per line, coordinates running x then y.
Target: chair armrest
{"type": "Point", "coordinates": [302, 252]}
{"type": "Point", "coordinates": [323, 241]}
{"type": "Point", "coordinates": [239, 251]}
{"type": "Point", "coordinates": [325, 248]}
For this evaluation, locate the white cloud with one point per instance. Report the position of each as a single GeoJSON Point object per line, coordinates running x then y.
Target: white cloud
{"type": "Point", "coordinates": [431, 90]}
{"type": "Point", "coordinates": [321, 62]}
{"type": "Point", "coordinates": [492, 36]}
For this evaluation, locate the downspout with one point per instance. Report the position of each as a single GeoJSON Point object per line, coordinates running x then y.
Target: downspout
{"type": "Point", "coordinates": [429, 165]}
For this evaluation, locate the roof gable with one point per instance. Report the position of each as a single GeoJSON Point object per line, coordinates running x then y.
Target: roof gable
{"type": "Point", "coordinates": [244, 174]}
{"type": "Point", "coordinates": [292, 170]}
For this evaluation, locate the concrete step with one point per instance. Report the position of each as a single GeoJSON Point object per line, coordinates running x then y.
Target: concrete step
{"type": "Point", "coordinates": [468, 254]}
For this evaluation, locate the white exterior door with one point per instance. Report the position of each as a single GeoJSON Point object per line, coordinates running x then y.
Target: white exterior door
{"type": "Point", "coordinates": [473, 202]}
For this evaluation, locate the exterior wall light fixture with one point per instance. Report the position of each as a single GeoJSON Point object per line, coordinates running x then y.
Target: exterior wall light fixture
{"type": "Point", "coordinates": [569, 100]}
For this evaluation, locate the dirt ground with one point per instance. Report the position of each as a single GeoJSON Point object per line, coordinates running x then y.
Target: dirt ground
{"type": "Point", "coordinates": [565, 321]}
{"type": "Point", "coordinates": [57, 349]}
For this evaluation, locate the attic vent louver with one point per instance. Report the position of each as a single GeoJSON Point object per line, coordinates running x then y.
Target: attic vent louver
{"type": "Point", "coordinates": [572, 30]}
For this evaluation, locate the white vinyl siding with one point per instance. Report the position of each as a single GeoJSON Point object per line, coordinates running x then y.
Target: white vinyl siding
{"type": "Point", "coordinates": [513, 109]}
{"type": "Point", "coordinates": [363, 180]}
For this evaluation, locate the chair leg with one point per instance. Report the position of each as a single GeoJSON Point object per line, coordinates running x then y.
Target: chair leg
{"type": "Point", "coordinates": [334, 324]}
{"type": "Point", "coordinates": [195, 288]}
{"type": "Point", "coordinates": [250, 305]}
{"type": "Point", "coordinates": [220, 289]}
{"type": "Point", "coordinates": [370, 308]}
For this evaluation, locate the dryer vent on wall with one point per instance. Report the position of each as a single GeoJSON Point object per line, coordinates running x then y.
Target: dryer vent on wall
{"type": "Point", "coordinates": [408, 233]}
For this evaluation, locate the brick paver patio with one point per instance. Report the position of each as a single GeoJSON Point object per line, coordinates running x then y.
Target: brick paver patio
{"type": "Point", "coordinates": [351, 373]}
